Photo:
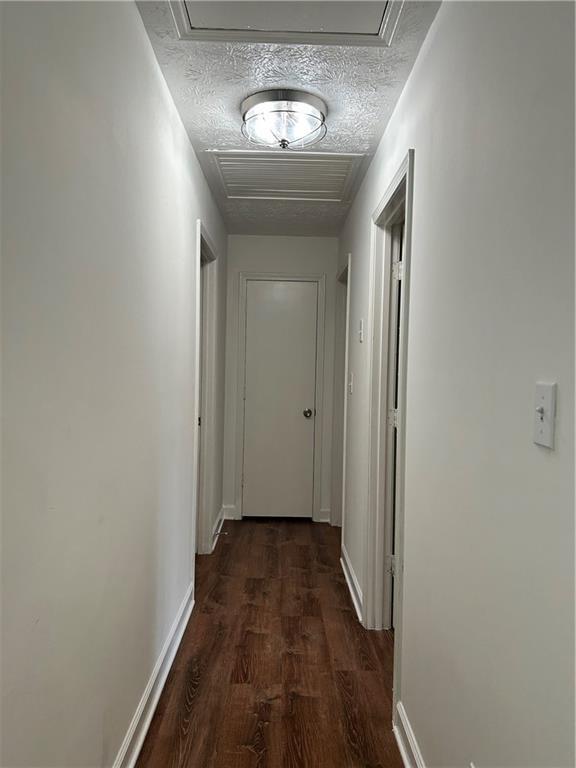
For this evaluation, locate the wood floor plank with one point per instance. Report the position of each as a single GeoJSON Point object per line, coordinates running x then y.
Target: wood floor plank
{"type": "Point", "coordinates": [302, 723]}
{"type": "Point", "coordinates": [256, 660]}
{"type": "Point", "coordinates": [249, 729]}
{"type": "Point", "coordinates": [274, 670]}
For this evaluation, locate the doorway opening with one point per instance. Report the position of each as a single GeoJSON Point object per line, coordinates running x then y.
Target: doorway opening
{"type": "Point", "coordinates": [391, 245]}
{"type": "Point", "coordinates": [396, 229]}
{"type": "Point", "coordinates": [341, 328]}
{"type": "Point", "coordinates": [206, 528]}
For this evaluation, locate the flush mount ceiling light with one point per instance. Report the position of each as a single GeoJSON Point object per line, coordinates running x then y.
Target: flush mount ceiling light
{"type": "Point", "coordinates": [284, 118]}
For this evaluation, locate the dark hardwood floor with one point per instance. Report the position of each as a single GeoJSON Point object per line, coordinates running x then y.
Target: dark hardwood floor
{"type": "Point", "coordinates": [274, 670]}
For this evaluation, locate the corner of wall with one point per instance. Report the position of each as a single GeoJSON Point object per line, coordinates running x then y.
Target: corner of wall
{"type": "Point", "coordinates": [134, 739]}
{"type": "Point", "coordinates": [406, 739]}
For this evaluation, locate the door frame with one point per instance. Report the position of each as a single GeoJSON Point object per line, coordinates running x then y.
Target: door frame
{"type": "Point", "coordinates": [204, 382]}
{"type": "Point", "coordinates": [378, 507]}
{"type": "Point", "coordinates": [320, 280]}
{"type": "Point", "coordinates": [348, 272]}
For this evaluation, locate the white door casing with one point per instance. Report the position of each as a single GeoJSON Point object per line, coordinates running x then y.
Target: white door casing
{"type": "Point", "coordinates": [391, 466]}
{"type": "Point", "coordinates": [281, 327]}
{"type": "Point", "coordinates": [346, 391]}
{"type": "Point", "coordinates": [320, 280]}
{"type": "Point", "coordinates": [205, 401]}
{"type": "Point", "coordinates": [386, 494]}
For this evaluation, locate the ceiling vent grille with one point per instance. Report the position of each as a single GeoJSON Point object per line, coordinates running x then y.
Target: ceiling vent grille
{"type": "Point", "coordinates": [318, 176]}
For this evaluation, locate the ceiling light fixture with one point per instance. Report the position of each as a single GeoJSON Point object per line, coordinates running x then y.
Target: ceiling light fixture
{"type": "Point", "coordinates": [284, 118]}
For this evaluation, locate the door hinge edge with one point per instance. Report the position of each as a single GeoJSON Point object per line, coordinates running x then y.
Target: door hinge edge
{"type": "Point", "coordinates": [398, 270]}
{"type": "Point", "coordinates": [391, 565]}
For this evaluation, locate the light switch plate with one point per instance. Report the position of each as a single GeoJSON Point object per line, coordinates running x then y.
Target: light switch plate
{"type": "Point", "coordinates": [544, 414]}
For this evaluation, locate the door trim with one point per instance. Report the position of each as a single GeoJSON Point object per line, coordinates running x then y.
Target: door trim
{"type": "Point", "coordinates": [381, 37]}
{"type": "Point", "coordinates": [320, 280]}
{"type": "Point", "coordinates": [378, 492]}
{"type": "Point", "coordinates": [204, 437]}
{"type": "Point", "coordinates": [346, 394]}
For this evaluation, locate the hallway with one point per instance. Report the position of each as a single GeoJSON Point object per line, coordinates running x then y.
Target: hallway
{"type": "Point", "coordinates": [287, 384]}
{"type": "Point", "coordinates": [275, 669]}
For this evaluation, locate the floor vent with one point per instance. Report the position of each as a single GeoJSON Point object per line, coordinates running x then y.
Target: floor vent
{"type": "Point", "coordinates": [317, 176]}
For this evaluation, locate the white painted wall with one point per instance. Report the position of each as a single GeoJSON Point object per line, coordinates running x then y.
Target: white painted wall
{"type": "Point", "coordinates": [100, 195]}
{"type": "Point", "coordinates": [287, 256]}
{"type": "Point", "coordinates": [488, 631]}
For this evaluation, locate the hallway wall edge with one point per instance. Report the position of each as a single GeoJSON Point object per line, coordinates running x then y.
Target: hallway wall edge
{"type": "Point", "coordinates": [138, 728]}
{"type": "Point", "coordinates": [406, 740]}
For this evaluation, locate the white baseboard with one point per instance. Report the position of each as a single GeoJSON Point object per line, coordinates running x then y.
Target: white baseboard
{"type": "Point", "coordinates": [323, 516]}
{"type": "Point", "coordinates": [134, 739]}
{"type": "Point", "coordinates": [217, 528]}
{"type": "Point", "coordinates": [406, 740]}
{"type": "Point", "coordinates": [352, 581]}
{"type": "Point", "coordinates": [229, 512]}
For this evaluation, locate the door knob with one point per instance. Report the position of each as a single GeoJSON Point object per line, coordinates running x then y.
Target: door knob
{"type": "Point", "coordinates": [307, 412]}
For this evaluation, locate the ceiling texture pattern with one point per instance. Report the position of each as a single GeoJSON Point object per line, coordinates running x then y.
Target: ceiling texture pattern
{"type": "Point", "coordinates": [209, 80]}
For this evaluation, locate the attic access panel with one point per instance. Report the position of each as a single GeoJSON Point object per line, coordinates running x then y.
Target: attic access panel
{"type": "Point", "coordinates": [359, 22]}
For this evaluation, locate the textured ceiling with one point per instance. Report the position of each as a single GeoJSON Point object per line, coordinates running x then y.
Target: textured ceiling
{"type": "Point", "coordinates": [209, 80]}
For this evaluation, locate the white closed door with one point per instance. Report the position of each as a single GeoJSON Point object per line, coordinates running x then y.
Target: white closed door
{"type": "Point", "coordinates": [279, 406]}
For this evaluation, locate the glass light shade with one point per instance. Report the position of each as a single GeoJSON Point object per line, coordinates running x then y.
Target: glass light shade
{"type": "Point", "coordinates": [284, 119]}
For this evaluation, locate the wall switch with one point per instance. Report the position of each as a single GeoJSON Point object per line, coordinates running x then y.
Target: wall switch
{"type": "Point", "coordinates": [361, 331]}
{"type": "Point", "coordinates": [544, 414]}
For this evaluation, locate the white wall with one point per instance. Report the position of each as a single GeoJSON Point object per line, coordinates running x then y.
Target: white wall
{"type": "Point", "coordinates": [287, 256]}
{"type": "Point", "coordinates": [488, 631]}
{"type": "Point", "coordinates": [100, 195]}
